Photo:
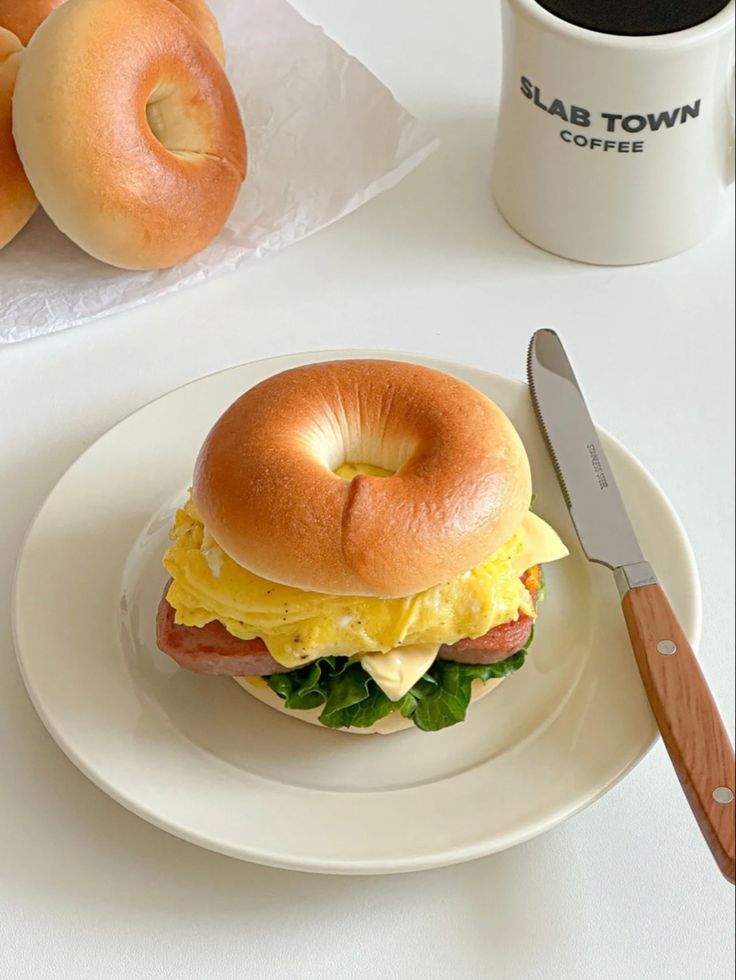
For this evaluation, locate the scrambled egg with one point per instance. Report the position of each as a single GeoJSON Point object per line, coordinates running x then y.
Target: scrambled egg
{"type": "Point", "coordinates": [298, 626]}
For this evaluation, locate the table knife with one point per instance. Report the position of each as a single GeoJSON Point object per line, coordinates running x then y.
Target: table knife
{"type": "Point", "coordinates": [683, 706]}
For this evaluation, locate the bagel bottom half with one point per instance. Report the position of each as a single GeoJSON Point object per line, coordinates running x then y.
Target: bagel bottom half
{"type": "Point", "coordinates": [385, 726]}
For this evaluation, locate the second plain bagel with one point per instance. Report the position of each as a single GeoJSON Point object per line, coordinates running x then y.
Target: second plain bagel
{"type": "Point", "coordinates": [17, 200]}
{"type": "Point", "coordinates": [206, 23]}
{"type": "Point", "coordinates": [129, 131]}
{"type": "Point", "coordinates": [265, 486]}
{"type": "Point", "coordinates": [22, 17]}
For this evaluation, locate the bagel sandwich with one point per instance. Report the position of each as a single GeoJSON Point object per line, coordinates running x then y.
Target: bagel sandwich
{"type": "Point", "coordinates": [358, 549]}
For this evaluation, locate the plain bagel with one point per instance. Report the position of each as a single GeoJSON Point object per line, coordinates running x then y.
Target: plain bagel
{"type": "Point", "coordinates": [265, 486]}
{"type": "Point", "coordinates": [206, 23]}
{"type": "Point", "coordinates": [394, 722]}
{"type": "Point", "coordinates": [17, 200]}
{"type": "Point", "coordinates": [23, 17]}
{"type": "Point", "coordinates": [129, 131]}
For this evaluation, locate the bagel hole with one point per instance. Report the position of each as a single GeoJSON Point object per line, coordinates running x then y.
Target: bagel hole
{"type": "Point", "coordinates": [346, 446]}
{"type": "Point", "coordinates": [371, 454]}
{"type": "Point", "coordinates": [172, 123]}
{"type": "Point", "coordinates": [349, 470]}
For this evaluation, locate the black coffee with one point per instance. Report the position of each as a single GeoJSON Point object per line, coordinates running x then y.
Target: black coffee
{"type": "Point", "coordinates": [634, 17]}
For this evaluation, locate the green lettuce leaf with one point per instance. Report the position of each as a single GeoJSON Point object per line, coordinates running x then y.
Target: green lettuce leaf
{"type": "Point", "coordinates": [352, 699]}
{"type": "Point", "coordinates": [447, 703]}
{"type": "Point", "coordinates": [360, 714]}
{"type": "Point", "coordinates": [301, 689]}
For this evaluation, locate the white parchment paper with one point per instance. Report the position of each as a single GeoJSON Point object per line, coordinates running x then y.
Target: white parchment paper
{"type": "Point", "coordinates": [324, 136]}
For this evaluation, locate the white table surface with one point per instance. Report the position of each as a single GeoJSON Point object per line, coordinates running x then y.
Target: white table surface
{"type": "Point", "coordinates": [627, 888]}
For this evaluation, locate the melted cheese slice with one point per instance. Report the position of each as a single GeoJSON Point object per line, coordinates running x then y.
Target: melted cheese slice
{"type": "Point", "coordinates": [397, 671]}
{"type": "Point", "coordinates": [541, 544]}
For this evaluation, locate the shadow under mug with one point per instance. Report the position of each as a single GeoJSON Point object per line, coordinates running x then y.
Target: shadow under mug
{"type": "Point", "coordinates": [613, 149]}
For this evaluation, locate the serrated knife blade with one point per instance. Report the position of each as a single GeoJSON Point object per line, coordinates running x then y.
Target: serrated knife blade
{"type": "Point", "coordinates": [678, 693]}
{"type": "Point", "coordinates": [588, 484]}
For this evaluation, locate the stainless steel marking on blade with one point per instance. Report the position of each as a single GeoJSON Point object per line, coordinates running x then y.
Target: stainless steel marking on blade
{"type": "Point", "coordinates": [585, 475]}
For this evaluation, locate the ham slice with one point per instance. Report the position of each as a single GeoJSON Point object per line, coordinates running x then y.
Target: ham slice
{"type": "Point", "coordinates": [498, 644]}
{"type": "Point", "coordinates": [211, 649]}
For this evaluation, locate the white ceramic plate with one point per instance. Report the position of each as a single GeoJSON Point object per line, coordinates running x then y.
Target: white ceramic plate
{"type": "Point", "coordinates": [198, 757]}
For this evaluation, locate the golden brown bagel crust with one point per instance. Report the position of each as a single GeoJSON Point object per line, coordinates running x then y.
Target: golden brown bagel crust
{"type": "Point", "coordinates": [17, 200]}
{"type": "Point", "coordinates": [394, 722]}
{"type": "Point", "coordinates": [206, 23]}
{"type": "Point", "coordinates": [22, 17]}
{"type": "Point", "coordinates": [99, 77]}
{"type": "Point", "coordinates": [265, 489]}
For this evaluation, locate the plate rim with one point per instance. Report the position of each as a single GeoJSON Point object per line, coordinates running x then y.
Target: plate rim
{"type": "Point", "coordinates": [446, 857]}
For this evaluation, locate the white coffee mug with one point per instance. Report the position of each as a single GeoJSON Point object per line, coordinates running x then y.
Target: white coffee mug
{"type": "Point", "coordinates": [613, 149]}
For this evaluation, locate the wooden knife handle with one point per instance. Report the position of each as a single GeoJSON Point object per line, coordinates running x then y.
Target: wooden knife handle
{"type": "Point", "coordinates": [688, 718]}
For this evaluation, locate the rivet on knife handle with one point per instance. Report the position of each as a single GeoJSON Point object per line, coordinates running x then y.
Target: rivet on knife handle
{"type": "Point", "coordinates": [691, 727]}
